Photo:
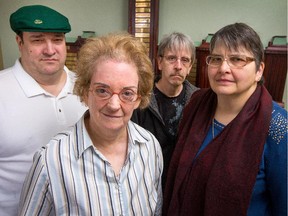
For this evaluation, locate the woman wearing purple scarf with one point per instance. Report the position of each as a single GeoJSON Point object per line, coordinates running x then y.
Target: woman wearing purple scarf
{"type": "Point", "coordinates": [231, 155]}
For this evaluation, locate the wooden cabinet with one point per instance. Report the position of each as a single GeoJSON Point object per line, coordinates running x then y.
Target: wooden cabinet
{"type": "Point", "coordinates": [275, 71]}
{"type": "Point", "coordinates": [201, 70]}
{"type": "Point", "coordinates": [72, 51]}
{"type": "Point", "coordinates": [143, 23]}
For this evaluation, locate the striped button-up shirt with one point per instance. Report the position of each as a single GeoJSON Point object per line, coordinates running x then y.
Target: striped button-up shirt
{"type": "Point", "coordinates": [70, 176]}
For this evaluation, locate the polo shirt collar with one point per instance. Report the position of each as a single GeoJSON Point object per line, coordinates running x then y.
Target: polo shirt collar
{"type": "Point", "coordinates": [31, 88]}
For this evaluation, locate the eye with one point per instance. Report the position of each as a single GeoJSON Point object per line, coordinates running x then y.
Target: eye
{"type": "Point", "coordinates": [172, 58]}
{"type": "Point", "coordinates": [102, 92]}
{"type": "Point", "coordinates": [185, 60]}
{"type": "Point", "coordinates": [58, 40]}
{"type": "Point", "coordinates": [236, 59]}
{"type": "Point", "coordinates": [128, 94]}
{"type": "Point", "coordinates": [37, 40]}
{"type": "Point", "coordinates": [216, 59]}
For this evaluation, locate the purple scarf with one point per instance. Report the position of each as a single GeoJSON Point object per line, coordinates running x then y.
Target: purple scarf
{"type": "Point", "coordinates": [219, 182]}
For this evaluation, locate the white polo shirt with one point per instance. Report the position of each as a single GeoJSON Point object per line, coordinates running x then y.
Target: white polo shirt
{"type": "Point", "coordinates": [29, 117]}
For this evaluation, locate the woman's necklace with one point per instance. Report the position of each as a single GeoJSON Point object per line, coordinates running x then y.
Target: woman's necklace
{"type": "Point", "coordinates": [213, 133]}
{"type": "Point", "coordinates": [219, 127]}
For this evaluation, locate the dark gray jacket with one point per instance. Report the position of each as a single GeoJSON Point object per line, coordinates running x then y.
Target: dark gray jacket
{"type": "Point", "coordinates": [151, 120]}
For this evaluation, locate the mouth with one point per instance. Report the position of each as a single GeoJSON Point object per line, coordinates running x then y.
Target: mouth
{"type": "Point", "coordinates": [224, 81]}
{"type": "Point", "coordinates": [177, 76]}
{"type": "Point", "coordinates": [49, 60]}
{"type": "Point", "coordinates": [112, 116]}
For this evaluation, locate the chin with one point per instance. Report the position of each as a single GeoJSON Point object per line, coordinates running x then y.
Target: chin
{"type": "Point", "coordinates": [176, 83]}
{"type": "Point", "coordinates": [115, 125]}
{"type": "Point", "coordinates": [223, 90]}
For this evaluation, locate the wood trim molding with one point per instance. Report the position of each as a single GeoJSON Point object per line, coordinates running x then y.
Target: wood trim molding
{"type": "Point", "coordinates": [143, 23]}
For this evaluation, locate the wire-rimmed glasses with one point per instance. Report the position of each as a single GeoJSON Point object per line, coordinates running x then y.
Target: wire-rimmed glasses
{"type": "Point", "coordinates": [104, 92]}
{"type": "Point", "coordinates": [234, 61]}
{"type": "Point", "coordinates": [172, 59]}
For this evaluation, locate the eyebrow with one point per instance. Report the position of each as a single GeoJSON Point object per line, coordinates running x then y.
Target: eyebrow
{"type": "Point", "coordinates": [184, 56]}
{"type": "Point", "coordinates": [107, 86]}
{"type": "Point", "coordinates": [103, 84]}
{"type": "Point", "coordinates": [36, 35]}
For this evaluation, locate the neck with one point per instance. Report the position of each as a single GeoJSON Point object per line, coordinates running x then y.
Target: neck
{"type": "Point", "coordinates": [53, 86]}
{"type": "Point", "coordinates": [228, 107]}
{"type": "Point", "coordinates": [113, 147]}
{"type": "Point", "coordinates": [50, 82]}
{"type": "Point", "coordinates": [226, 112]}
{"type": "Point", "coordinates": [103, 138]}
{"type": "Point", "coordinates": [168, 89]}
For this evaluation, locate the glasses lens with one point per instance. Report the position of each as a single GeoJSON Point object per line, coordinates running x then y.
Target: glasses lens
{"type": "Point", "coordinates": [214, 60]}
{"type": "Point", "coordinates": [237, 61]}
{"type": "Point", "coordinates": [185, 61]}
{"type": "Point", "coordinates": [128, 95]}
{"type": "Point", "coordinates": [172, 59]}
{"type": "Point", "coordinates": [101, 92]}
{"type": "Point", "coordinates": [233, 61]}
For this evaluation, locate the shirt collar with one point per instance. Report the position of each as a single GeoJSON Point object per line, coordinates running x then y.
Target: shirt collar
{"type": "Point", "coordinates": [82, 137]}
{"type": "Point", "coordinates": [84, 142]}
{"type": "Point", "coordinates": [31, 88]}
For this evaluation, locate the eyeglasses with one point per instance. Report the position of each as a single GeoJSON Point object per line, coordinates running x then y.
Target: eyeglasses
{"type": "Point", "coordinates": [172, 59]}
{"type": "Point", "coordinates": [234, 61]}
{"type": "Point", "coordinates": [126, 95]}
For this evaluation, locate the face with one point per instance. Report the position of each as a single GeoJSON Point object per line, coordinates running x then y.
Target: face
{"type": "Point", "coordinates": [111, 114]}
{"type": "Point", "coordinates": [174, 73]}
{"type": "Point", "coordinates": [225, 80]}
{"type": "Point", "coordinates": [42, 54]}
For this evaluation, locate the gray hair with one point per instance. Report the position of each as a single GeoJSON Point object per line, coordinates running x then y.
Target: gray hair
{"type": "Point", "coordinates": [175, 41]}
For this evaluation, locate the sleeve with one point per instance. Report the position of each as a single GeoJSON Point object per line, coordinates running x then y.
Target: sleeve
{"type": "Point", "coordinates": [36, 197]}
{"type": "Point", "coordinates": [276, 161]}
{"type": "Point", "coordinates": [159, 183]}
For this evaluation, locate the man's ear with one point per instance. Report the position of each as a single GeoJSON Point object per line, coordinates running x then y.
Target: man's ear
{"type": "Point", "coordinates": [19, 40]}
{"type": "Point", "coordinates": [190, 68]}
{"type": "Point", "coordinates": [159, 62]}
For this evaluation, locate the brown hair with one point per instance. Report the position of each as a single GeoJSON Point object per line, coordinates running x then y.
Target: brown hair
{"type": "Point", "coordinates": [237, 35]}
{"type": "Point", "coordinates": [120, 47]}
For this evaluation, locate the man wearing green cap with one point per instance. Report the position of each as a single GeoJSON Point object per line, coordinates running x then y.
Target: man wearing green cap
{"type": "Point", "coordinates": [36, 95]}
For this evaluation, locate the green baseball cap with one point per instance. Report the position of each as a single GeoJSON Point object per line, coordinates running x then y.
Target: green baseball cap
{"type": "Point", "coordinates": [38, 18]}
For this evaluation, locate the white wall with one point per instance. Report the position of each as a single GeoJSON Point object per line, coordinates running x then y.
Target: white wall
{"type": "Point", "coordinates": [196, 18]}
{"type": "Point", "coordinates": [101, 16]}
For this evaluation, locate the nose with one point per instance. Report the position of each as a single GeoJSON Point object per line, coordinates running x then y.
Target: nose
{"type": "Point", "coordinates": [178, 64]}
{"type": "Point", "coordinates": [224, 66]}
{"type": "Point", "coordinates": [49, 49]}
{"type": "Point", "coordinates": [114, 102]}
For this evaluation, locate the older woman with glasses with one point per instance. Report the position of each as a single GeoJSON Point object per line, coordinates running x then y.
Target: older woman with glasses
{"type": "Point", "coordinates": [105, 164]}
{"type": "Point", "coordinates": [231, 155]}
